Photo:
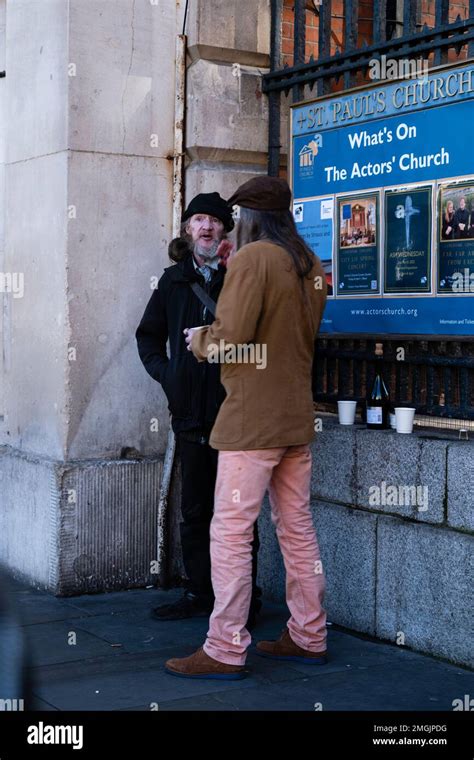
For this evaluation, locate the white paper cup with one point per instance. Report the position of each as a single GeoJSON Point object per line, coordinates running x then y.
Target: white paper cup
{"type": "Point", "coordinates": [347, 411]}
{"type": "Point", "coordinates": [404, 419]}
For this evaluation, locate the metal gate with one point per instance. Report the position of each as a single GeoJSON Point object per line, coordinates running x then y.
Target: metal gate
{"type": "Point", "coordinates": [436, 375]}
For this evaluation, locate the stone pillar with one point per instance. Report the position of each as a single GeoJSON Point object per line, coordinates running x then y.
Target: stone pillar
{"type": "Point", "coordinates": [90, 96]}
{"type": "Point", "coordinates": [2, 190]}
{"type": "Point", "coordinates": [90, 101]}
{"type": "Point", "coordinates": [227, 115]}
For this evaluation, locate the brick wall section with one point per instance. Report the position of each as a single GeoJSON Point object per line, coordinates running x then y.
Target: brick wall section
{"type": "Point", "coordinates": [458, 9]}
{"type": "Point", "coordinates": [364, 29]}
{"type": "Point", "coordinates": [428, 12]}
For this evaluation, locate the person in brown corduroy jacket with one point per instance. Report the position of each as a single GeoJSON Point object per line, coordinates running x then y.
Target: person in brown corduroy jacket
{"type": "Point", "coordinates": [267, 320]}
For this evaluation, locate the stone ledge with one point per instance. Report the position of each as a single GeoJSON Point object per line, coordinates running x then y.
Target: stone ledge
{"type": "Point", "coordinates": [226, 156]}
{"type": "Point", "coordinates": [219, 54]}
{"type": "Point", "coordinates": [348, 460]}
{"type": "Point", "coordinates": [65, 464]}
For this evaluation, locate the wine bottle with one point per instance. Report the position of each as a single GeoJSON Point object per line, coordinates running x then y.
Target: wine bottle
{"type": "Point", "coordinates": [378, 401]}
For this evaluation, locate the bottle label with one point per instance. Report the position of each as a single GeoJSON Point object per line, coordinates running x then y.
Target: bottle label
{"type": "Point", "coordinates": [374, 415]}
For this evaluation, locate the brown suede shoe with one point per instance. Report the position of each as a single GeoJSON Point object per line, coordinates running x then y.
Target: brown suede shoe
{"type": "Point", "coordinates": [200, 665]}
{"type": "Point", "coordinates": [286, 649]}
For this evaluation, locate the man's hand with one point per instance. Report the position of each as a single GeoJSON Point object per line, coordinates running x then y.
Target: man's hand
{"type": "Point", "coordinates": [188, 333]}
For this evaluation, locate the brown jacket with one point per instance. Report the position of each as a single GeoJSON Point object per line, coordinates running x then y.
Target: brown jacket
{"type": "Point", "coordinates": [261, 306]}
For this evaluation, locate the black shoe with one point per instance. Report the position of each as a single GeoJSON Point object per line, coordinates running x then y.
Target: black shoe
{"type": "Point", "coordinates": [255, 607]}
{"type": "Point", "coordinates": [188, 606]}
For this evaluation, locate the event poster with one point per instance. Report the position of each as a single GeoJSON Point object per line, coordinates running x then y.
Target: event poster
{"type": "Point", "coordinates": [407, 257]}
{"type": "Point", "coordinates": [314, 222]}
{"type": "Point", "coordinates": [456, 239]}
{"type": "Point", "coordinates": [357, 257]}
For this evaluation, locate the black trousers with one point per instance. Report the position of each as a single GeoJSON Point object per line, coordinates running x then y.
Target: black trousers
{"type": "Point", "coordinates": [198, 480]}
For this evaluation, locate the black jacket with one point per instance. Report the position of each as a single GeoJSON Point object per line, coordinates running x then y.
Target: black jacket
{"type": "Point", "coordinates": [193, 388]}
{"type": "Point", "coordinates": [461, 216]}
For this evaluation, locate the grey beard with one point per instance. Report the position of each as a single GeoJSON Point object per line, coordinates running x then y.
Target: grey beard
{"type": "Point", "coordinates": [208, 254]}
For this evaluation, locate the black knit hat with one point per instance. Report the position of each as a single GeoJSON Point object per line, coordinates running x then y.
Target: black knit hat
{"type": "Point", "coordinates": [213, 205]}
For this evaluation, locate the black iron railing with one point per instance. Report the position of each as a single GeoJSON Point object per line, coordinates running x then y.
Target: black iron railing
{"type": "Point", "coordinates": [435, 374]}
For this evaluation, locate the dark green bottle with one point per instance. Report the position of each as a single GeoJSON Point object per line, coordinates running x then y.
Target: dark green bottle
{"type": "Point", "coordinates": [378, 400]}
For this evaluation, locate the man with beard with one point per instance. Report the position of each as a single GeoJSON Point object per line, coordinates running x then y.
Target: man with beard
{"type": "Point", "coordinates": [193, 390]}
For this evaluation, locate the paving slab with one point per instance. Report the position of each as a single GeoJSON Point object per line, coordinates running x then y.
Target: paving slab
{"type": "Point", "coordinates": [362, 673]}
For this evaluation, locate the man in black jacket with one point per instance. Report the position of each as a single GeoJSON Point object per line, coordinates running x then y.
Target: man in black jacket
{"type": "Point", "coordinates": [461, 220]}
{"type": "Point", "coordinates": [193, 390]}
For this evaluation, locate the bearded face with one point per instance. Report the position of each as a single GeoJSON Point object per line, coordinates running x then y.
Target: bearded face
{"type": "Point", "coordinates": [206, 233]}
{"type": "Point", "coordinates": [207, 253]}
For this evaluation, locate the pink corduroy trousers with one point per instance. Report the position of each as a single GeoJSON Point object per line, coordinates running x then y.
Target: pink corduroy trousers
{"type": "Point", "coordinates": [242, 480]}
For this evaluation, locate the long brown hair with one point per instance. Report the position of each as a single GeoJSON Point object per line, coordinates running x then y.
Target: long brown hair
{"type": "Point", "coordinates": [446, 216]}
{"type": "Point", "coordinates": [276, 227]}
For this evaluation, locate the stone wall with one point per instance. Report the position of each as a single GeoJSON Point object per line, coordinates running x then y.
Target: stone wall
{"type": "Point", "coordinates": [400, 572]}
{"type": "Point", "coordinates": [227, 115]}
{"type": "Point", "coordinates": [90, 97]}
{"type": "Point", "coordinates": [89, 93]}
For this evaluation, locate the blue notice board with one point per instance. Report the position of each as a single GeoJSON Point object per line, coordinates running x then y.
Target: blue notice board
{"type": "Point", "coordinates": [383, 186]}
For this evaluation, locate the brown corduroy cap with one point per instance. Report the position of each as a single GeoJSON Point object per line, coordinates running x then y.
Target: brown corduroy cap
{"type": "Point", "coordinates": [263, 193]}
